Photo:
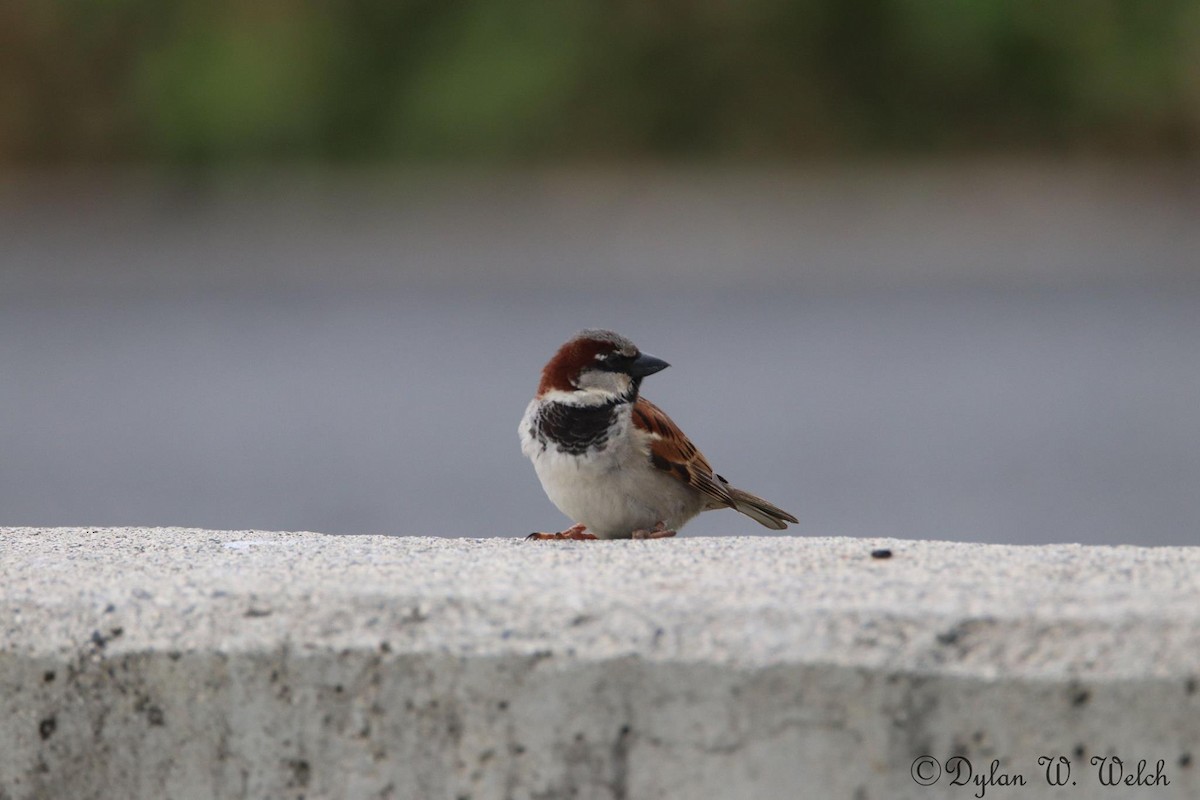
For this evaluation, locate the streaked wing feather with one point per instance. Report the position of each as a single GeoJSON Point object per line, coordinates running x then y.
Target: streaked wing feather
{"type": "Point", "coordinates": [672, 452]}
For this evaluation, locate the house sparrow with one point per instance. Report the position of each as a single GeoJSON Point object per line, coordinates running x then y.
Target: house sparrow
{"type": "Point", "coordinates": [610, 459]}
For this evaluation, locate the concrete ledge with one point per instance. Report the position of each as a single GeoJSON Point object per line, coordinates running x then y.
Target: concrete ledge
{"type": "Point", "coordinates": [187, 663]}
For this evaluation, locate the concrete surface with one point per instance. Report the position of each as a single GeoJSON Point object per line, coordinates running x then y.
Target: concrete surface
{"type": "Point", "coordinates": [182, 663]}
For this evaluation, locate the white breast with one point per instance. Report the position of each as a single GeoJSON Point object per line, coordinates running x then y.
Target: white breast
{"type": "Point", "coordinates": [613, 490]}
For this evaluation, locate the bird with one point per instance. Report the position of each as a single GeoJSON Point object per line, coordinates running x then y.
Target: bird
{"type": "Point", "coordinates": [612, 461]}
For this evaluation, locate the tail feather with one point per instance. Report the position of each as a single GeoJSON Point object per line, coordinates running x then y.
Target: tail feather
{"type": "Point", "coordinates": [760, 510]}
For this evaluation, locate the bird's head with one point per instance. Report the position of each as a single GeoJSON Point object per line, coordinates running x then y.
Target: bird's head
{"type": "Point", "coordinates": [597, 366]}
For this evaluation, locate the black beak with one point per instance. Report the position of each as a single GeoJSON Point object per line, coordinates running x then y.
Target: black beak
{"type": "Point", "coordinates": [645, 365]}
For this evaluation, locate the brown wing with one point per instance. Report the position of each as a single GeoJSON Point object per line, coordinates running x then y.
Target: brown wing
{"type": "Point", "coordinates": [674, 453]}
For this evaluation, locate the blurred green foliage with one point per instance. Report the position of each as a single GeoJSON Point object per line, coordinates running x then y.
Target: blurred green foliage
{"type": "Point", "coordinates": [217, 81]}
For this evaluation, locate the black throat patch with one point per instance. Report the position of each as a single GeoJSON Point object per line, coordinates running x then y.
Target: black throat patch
{"type": "Point", "coordinates": [576, 429]}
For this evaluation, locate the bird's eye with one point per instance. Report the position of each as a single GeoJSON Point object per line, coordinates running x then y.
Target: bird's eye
{"type": "Point", "coordinates": [602, 356]}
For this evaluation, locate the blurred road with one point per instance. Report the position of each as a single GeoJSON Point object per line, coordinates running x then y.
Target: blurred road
{"type": "Point", "coordinates": [343, 360]}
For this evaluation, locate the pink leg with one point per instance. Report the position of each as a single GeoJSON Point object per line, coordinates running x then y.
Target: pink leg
{"type": "Point", "coordinates": [575, 532]}
{"type": "Point", "coordinates": [659, 531]}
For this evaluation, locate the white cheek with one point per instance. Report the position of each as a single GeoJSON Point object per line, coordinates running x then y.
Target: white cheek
{"type": "Point", "coordinates": [603, 381]}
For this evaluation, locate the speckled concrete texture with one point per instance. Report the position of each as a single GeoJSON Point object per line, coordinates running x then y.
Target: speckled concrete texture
{"type": "Point", "coordinates": [179, 663]}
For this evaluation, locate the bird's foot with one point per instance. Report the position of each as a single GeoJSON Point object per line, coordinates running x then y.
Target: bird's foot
{"type": "Point", "coordinates": [659, 531]}
{"type": "Point", "coordinates": [575, 532]}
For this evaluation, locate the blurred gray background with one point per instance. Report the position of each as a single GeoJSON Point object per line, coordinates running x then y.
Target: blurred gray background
{"type": "Point", "coordinates": [998, 353]}
{"type": "Point", "coordinates": [298, 267]}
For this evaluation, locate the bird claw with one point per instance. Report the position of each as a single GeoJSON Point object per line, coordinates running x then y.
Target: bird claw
{"type": "Point", "coordinates": [659, 531]}
{"type": "Point", "coordinates": [574, 533]}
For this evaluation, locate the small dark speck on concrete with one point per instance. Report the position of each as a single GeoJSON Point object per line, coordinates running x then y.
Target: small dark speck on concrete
{"type": "Point", "coordinates": [949, 637]}
{"type": "Point", "coordinates": [1190, 686]}
{"type": "Point", "coordinates": [155, 716]}
{"type": "Point", "coordinates": [46, 727]}
{"type": "Point", "coordinates": [301, 773]}
{"type": "Point", "coordinates": [108, 609]}
{"type": "Point", "coordinates": [882, 552]}
{"type": "Point", "coordinates": [48, 676]}
{"type": "Point", "coordinates": [1081, 697]}
{"type": "Point", "coordinates": [100, 640]}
